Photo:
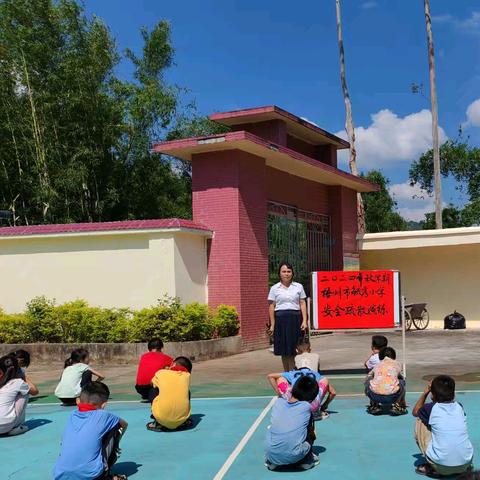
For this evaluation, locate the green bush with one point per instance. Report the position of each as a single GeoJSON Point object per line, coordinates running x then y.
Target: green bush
{"type": "Point", "coordinates": [224, 321]}
{"type": "Point", "coordinates": [14, 328]}
{"type": "Point", "coordinates": [78, 322]}
{"type": "Point", "coordinates": [43, 324]}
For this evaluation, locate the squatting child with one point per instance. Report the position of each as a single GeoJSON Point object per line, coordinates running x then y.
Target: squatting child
{"type": "Point", "coordinates": [378, 342]}
{"type": "Point", "coordinates": [441, 430]}
{"type": "Point", "coordinates": [171, 407]}
{"type": "Point", "coordinates": [291, 433]}
{"type": "Point", "coordinates": [283, 383]}
{"type": "Point", "coordinates": [385, 385]}
{"type": "Point", "coordinates": [150, 363]}
{"type": "Point", "coordinates": [76, 374]}
{"type": "Point", "coordinates": [14, 392]}
{"type": "Point", "coordinates": [91, 438]}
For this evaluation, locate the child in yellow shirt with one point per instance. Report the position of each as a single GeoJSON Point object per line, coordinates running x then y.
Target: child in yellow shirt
{"type": "Point", "coordinates": [171, 407]}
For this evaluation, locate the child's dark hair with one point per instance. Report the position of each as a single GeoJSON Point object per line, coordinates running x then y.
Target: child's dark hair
{"type": "Point", "coordinates": [9, 368]}
{"type": "Point", "coordinates": [155, 344]}
{"type": "Point", "coordinates": [305, 389]}
{"type": "Point", "coordinates": [443, 388]}
{"type": "Point", "coordinates": [22, 356]}
{"type": "Point", "coordinates": [95, 393]}
{"type": "Point", "coordinates": [379, 341]}
{"type": "Point", "coordinates": [184, 362]}
{"type": "Point", "coordinates": [303, 344]}
{"type": "Point", "coordinates": [387, 352]}
{"type": "Point", "coordinates": [78, 355]}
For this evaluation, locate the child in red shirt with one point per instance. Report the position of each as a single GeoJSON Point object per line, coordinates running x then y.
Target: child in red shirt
{"type": "Point", "coordinates": [150, 363]}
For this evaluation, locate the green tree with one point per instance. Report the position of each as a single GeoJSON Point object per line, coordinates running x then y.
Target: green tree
{"type": "Point", "coordinates": [460, 161]}
{"type": "Point", "coordinates": [57, 119]}
{"type": "Point", "coordinates": [75, 141]}
{"type": "Point", "coordinates": [451, 218]}
{"type": "Point", "coordinates": [380, 214]}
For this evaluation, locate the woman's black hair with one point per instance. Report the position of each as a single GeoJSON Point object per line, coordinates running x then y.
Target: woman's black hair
{"type": "Point", "coordinates": [9, 368]}
{"type": "Point", "coordinates": [288, 265]}
{"type": "Point", "coordinates": [78, 355]}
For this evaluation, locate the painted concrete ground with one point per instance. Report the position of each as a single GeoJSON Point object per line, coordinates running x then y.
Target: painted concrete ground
{"type": "Point", "coordinates": [351, 444]}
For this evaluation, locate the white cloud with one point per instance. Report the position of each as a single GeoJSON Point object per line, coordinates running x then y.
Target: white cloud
{"type": "Point", "coordinates": [392, 139]}
{"type": "Point", "coordinates": [473, 114]}
{"type": "Point", "coordinates": [466, 25]}
{"type": "Point", "coordinates": [412, 202]}
{"type": "Point", "coordinates": [369, 4]}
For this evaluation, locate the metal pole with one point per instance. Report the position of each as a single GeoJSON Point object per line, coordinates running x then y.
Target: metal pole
{"type": "Point", "coordinates": [403, 336]}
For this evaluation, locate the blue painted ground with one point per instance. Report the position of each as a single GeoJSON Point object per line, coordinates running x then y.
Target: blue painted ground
{"type": "Point", "coordinates": [351, 444]}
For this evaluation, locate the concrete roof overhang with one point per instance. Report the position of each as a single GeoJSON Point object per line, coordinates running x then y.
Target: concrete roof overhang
{"type": "Point", "coordinates": [420, 238]}
{"type": "Point", "coordinates": [296, 126]}
{"type": "Point", "coordinates": [276, 156]}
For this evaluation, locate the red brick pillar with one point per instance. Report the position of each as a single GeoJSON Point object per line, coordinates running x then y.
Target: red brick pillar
{"type": "Point", "coordinates": [343, 212]}
{"type": "Point", "coordinates": [229, 197]}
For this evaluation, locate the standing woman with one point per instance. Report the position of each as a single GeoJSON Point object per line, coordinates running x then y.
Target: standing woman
{"type": "Point", "coordinates": [288, 315]}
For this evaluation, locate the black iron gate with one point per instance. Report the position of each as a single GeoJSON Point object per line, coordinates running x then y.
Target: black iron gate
{"type": "Point", "coordinates": [299, 237]}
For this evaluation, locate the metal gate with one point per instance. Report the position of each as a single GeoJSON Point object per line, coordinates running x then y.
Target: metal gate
{"type": "Point", "coordinates": [299, 237]}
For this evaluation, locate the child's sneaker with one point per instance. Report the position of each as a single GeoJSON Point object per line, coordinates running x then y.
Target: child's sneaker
{"type": "Point", "coordinates": [309, 462]}
{"type": "Point", "coordinates": [320, 415]}
{"type": "Point", "coordinates": [398, 409]}
{"type": "Point", "coordinates": [270, 465]}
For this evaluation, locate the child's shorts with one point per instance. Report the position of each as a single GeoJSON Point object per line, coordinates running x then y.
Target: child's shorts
{"type": "Point", "coordinates": [286, 391]}
{"type": "Point", "coordinates": [385, 399]}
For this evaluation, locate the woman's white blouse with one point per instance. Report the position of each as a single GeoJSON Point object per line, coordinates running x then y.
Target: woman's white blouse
{"type": "Point", "coordinates": [287, 298]}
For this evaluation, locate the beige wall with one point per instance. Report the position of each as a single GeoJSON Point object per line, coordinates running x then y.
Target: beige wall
{"type": "Point", "coordinates": [115, 269]}
{"type": "Point", "coordinates": [446, 277]}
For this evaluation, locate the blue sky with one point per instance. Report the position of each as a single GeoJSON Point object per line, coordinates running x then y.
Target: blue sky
{"type": "Point", "coordinates": [234, 54]}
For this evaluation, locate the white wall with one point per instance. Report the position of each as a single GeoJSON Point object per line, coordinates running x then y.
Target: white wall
{"type": "Point", "coordinates": [446, 277]}
{"type": "Point", "coordinates": [108, 269]}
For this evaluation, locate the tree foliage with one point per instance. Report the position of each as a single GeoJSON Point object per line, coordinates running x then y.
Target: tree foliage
{"type": "Point", "coordinates": [380, 214]}
{"type": "Point", "coordinates": [75, 140]}
{"type": "Point", "coordinates": [462, 162]}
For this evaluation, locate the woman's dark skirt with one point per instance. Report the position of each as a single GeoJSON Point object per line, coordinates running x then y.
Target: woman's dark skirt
{"type": "Point", "coordinates": [287, 332]}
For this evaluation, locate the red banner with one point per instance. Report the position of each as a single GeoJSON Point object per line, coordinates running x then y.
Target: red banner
{"type": "Point", "coordinates": [361, 299]}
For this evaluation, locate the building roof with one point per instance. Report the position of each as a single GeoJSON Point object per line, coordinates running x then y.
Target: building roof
{"type": "Point", "coordinates": [420, 238]}
{"type": "Point", "coordinates": [98, 227]}
{"type": "Point", "coordinates": [296, 126]}
{"type": "Point", "coordinates": [276, 156]}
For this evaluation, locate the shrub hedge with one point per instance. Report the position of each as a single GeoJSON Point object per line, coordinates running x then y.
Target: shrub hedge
{"type": "Point", "coordinates": [78, 322]}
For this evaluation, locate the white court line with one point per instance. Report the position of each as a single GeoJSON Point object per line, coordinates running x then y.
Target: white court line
{"type": "Point", "coordinates": [226, 466]}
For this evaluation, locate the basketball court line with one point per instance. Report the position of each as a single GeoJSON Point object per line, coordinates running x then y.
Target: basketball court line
{"type": "Point", "coordinates": [236, 452]}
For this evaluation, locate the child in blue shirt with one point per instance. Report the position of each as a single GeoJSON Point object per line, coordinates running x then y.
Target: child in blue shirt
{"type": "Point", "coordinates": [91, 438]}
{"type": "Point", "coordinates": [282, 384]}
{"type": "Point", "coordinates": [441, 430]}
{"type": "Point", "coordinates": [291, 433]}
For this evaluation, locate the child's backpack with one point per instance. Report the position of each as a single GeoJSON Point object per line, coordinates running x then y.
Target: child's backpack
{"type": "Point", "coordinates": [454, 321]}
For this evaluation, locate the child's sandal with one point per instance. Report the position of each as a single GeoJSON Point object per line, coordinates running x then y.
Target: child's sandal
{"type": "Point", "coordinates": [154, 427]}
{"type": "Point", "coordinates": [399, 409]}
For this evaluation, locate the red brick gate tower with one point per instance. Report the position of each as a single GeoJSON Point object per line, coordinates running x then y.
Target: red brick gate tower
{"type": "Point", "coordinates": [269, 156]}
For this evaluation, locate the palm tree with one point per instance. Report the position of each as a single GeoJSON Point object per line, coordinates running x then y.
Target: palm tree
{"type": "Point", "coordinates": [349, 121]}
{"type": "Point", "coordinates": [433, 99]}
